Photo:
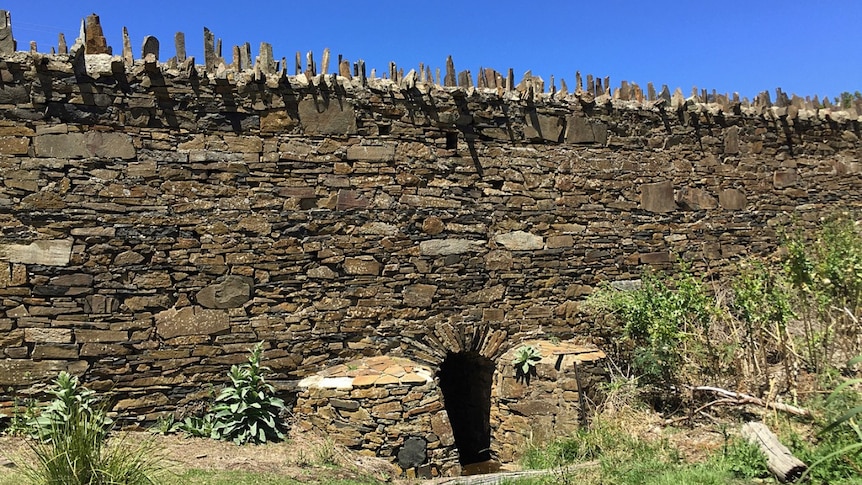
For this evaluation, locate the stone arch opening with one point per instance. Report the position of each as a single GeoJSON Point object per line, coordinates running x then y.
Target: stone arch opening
{"type": "Point", "coordinates": [465, 380]}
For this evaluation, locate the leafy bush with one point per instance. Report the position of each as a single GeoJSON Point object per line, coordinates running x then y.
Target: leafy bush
{"type": "Point", "coordinates": [826, 276]}
{"type": "Point", "coordinates": [71, 400]}
{"type": "Point", "coordinates": [71, 444]}
{"type": "Point", "coordinates": [247, 411]}
{"type": "Point", "coordinates": [656, 318]}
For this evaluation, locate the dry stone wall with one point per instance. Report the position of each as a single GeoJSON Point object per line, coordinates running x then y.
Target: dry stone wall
{"type": "Point", "coordinates": [158, 219]}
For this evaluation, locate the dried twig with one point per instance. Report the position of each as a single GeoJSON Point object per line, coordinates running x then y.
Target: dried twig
{"type": "Point", "coordinates": [748, 399]}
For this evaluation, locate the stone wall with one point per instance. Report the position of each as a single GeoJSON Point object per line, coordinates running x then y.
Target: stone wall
{"type": "Point", "coordinates": [158, 219]}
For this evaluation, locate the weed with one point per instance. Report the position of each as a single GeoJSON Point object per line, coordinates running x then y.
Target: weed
{"type": "Point", "coordinates": [525, 360]}
{"type": "Point", "coordinates": [247, 411]}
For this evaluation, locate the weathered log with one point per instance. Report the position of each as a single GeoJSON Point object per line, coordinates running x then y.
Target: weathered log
{"type": "Point", "coordinates": [748, 399]}
{"type": "Point", "coordinates": [779, 460]}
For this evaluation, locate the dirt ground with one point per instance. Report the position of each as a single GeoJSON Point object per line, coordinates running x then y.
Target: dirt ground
{"type": "Point", "coordinates": [305, 457]}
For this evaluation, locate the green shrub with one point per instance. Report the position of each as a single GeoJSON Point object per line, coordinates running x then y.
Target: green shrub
{"type": "Point", "coordinates": [71, 444]}
{"type": "Point", "coordinates": [71, 400]}
{"type": "Point", "coordinates": [247, 411]}
{"type": "Point", "coordinates": [656, 318]}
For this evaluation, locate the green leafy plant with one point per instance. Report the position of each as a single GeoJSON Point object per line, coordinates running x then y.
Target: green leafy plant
{"type": "Point", "coordinates": [70, 400]}
{"type": "Point", "coordinates": [247, 410]}
{"type": "Point", "coordinates": [656, 318]}
{"type": "Point", "coordinates": [71, 444]}
{"type": "Point", "coordinates": [849, 419]}
{"type": "Point", "coordinates": [526, 358]}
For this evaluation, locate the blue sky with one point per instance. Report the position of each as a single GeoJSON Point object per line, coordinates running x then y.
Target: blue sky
{"type": "Point", "coordinates": [804, 47]}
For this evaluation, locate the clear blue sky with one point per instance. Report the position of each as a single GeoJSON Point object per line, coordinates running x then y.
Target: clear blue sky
{"type": "Point", "coordinates": [803, 46]}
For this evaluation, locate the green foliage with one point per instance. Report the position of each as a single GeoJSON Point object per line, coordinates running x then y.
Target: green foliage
{"type": "Point", "coordinates": [70, 400]}
{"type": "Point", "coordinates": [72, 444]}
{"type": "Point", "coordinates": [742, 459]}
{"type": "Point", "coordinates": [247, 410]}
{"type": "Point", "coordinates": [826, 276]}
{"type": "Point", "coordinates": [526, 358]}
{"type": "Point", "coordinates": [23, 413]}
{"type": "Point", "coordinates": [656, 318]}
{"type": "Point", "coordinates": [839, 455]}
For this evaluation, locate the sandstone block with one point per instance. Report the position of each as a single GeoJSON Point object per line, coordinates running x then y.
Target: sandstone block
{"type": "Point", "coordinates": [697, 199]}
{"type": "Point", "coordinates": [148, 401]}
{"type": "Point", "coordinates": [419, 295]}
{"type": "Point", "coordinates": [54, 351]}
{"type": "Point", "coordinates": [99, 349]}
{"type": "Point", "coordinates": [731, 140]}
{"type": "Point", "coordinates": [361, 266]}
{"type": "Point", "coordinates": [277, 121]}
{"type": "Point", "coordinates": [328, 116]}
{"type": "Point", "coordinates": [232, 292]}
{"type": "Point", "coordinates": [658, 197]}
{"type": "Point", "coordinates": [84, 145]}
{"type": "Point", "coordinates": [445, 247]}
{"type": "Point", "coordinates": [191, 320]}
{"type": "Point", "coordinates": [563, 241]}
{"type": "Point", "coordinates": [87, 335]}
{"type": "Point", "coordinates": [384, 153]}
{"type": "Point", "coordinates": [322, 272]}
{"type": "Point", "coordinates": [56, 252]}
{"type": "Point", "coordinates": [732, 199]}
{"type": "Point", "coordinates": [14, 145]}
{"type": "Point", "coordinates": [520, 241]}
{"type": "Point", "coordinates": [543, 127]}
{"type": "Point", "coordinates": [48, 335]}
{"type": "Point", "coordinates": [781, 179]}
{"type": "Point", "coordinates": [20, 372]}
{"type": "Point", "coordinates": [581, 130]}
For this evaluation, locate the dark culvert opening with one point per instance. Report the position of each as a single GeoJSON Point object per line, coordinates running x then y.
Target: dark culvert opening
{"type": "Point", "coordinates": [465, 381]}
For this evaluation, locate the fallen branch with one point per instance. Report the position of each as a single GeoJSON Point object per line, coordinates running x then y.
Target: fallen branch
{"type": "Point", "coordinates": [748, 399]}
{"type": "Point", "coordinates": [779, 460]}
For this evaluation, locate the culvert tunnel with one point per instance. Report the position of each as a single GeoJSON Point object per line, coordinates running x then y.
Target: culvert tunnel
{"type": "Point", "coordinates": [465, 380]}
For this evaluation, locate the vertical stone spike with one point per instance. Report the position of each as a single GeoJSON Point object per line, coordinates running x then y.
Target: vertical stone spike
{"type": "Point", "coordinates": [94, 38]}
{"type": "Point", "coordinates": [480, 78]}
{"type": "Point", "coordinates": [624, 92]}
{"type": "Point", "coordinates": [650, 92]}
{"type": "Point", "coordinates": [579, 84]}
{"type": "Point", "coordinates": [421, 72]}
{"type": "Point", "coordinates": [150, 47]}
{"type": "Point", "coordinates": [180, 46]}
{"type": "Point", "coordinates": [553, 88]}
{"type": "Point", "coordinates": [219, 55]}
{"type": "Point", "coordinates": [607, 86]}
{"type": "Point", "coordinates": [61, 44]}
{"type": "Point", "coordinates": [665, 93]}
{"type": "Point", "coordinates": [400, 75]}
{"type": "Point", "coordinates": [267, 61]}
{"type": "Point", "coordinates": [209, 51]}
{"type": "Point", "coordinates": [7, 42]}
{"type": "Point", "coordinates": [297, 67]}
{"type": "Point", "coordinates": [564, 90]}
{"type": "Point", "coordinates": [429, 77]}
{"type": "Point", "coordinates": [324, 61]}
{"type": "Point", "coordinates": [33, 48]}
{"type": "Point", "coordinates": [128, 55]}
{"type": "Point", "coordinates": [236, 59]}
{"type": "Point", "coordinates": [245, 56]}
{"type": "Point", "coordinates": [362, 77]}
{"type": "Point", "coordinates": [309, 65]}
{"type": "Point", "coordinates": [450, 80]}
{"type": "Point", "coordinates": [393, 71]}
{"type": "Point", "coordinates": [498, 80]}
{"type": "Point", "coordinates": [591, 87]}
{"type": "Point", "coordinates": [344, 69]}
{"type": "Point", "coordinates": [437, 76]}
{"type": "Point", "coordinates": [465, 79]}
{"type": "Point", "coordinates": [678, 99]}
{"type": "Point", "coordinates": [599, 90]}
{"type": "Point", "coordinates": [510, 80]}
